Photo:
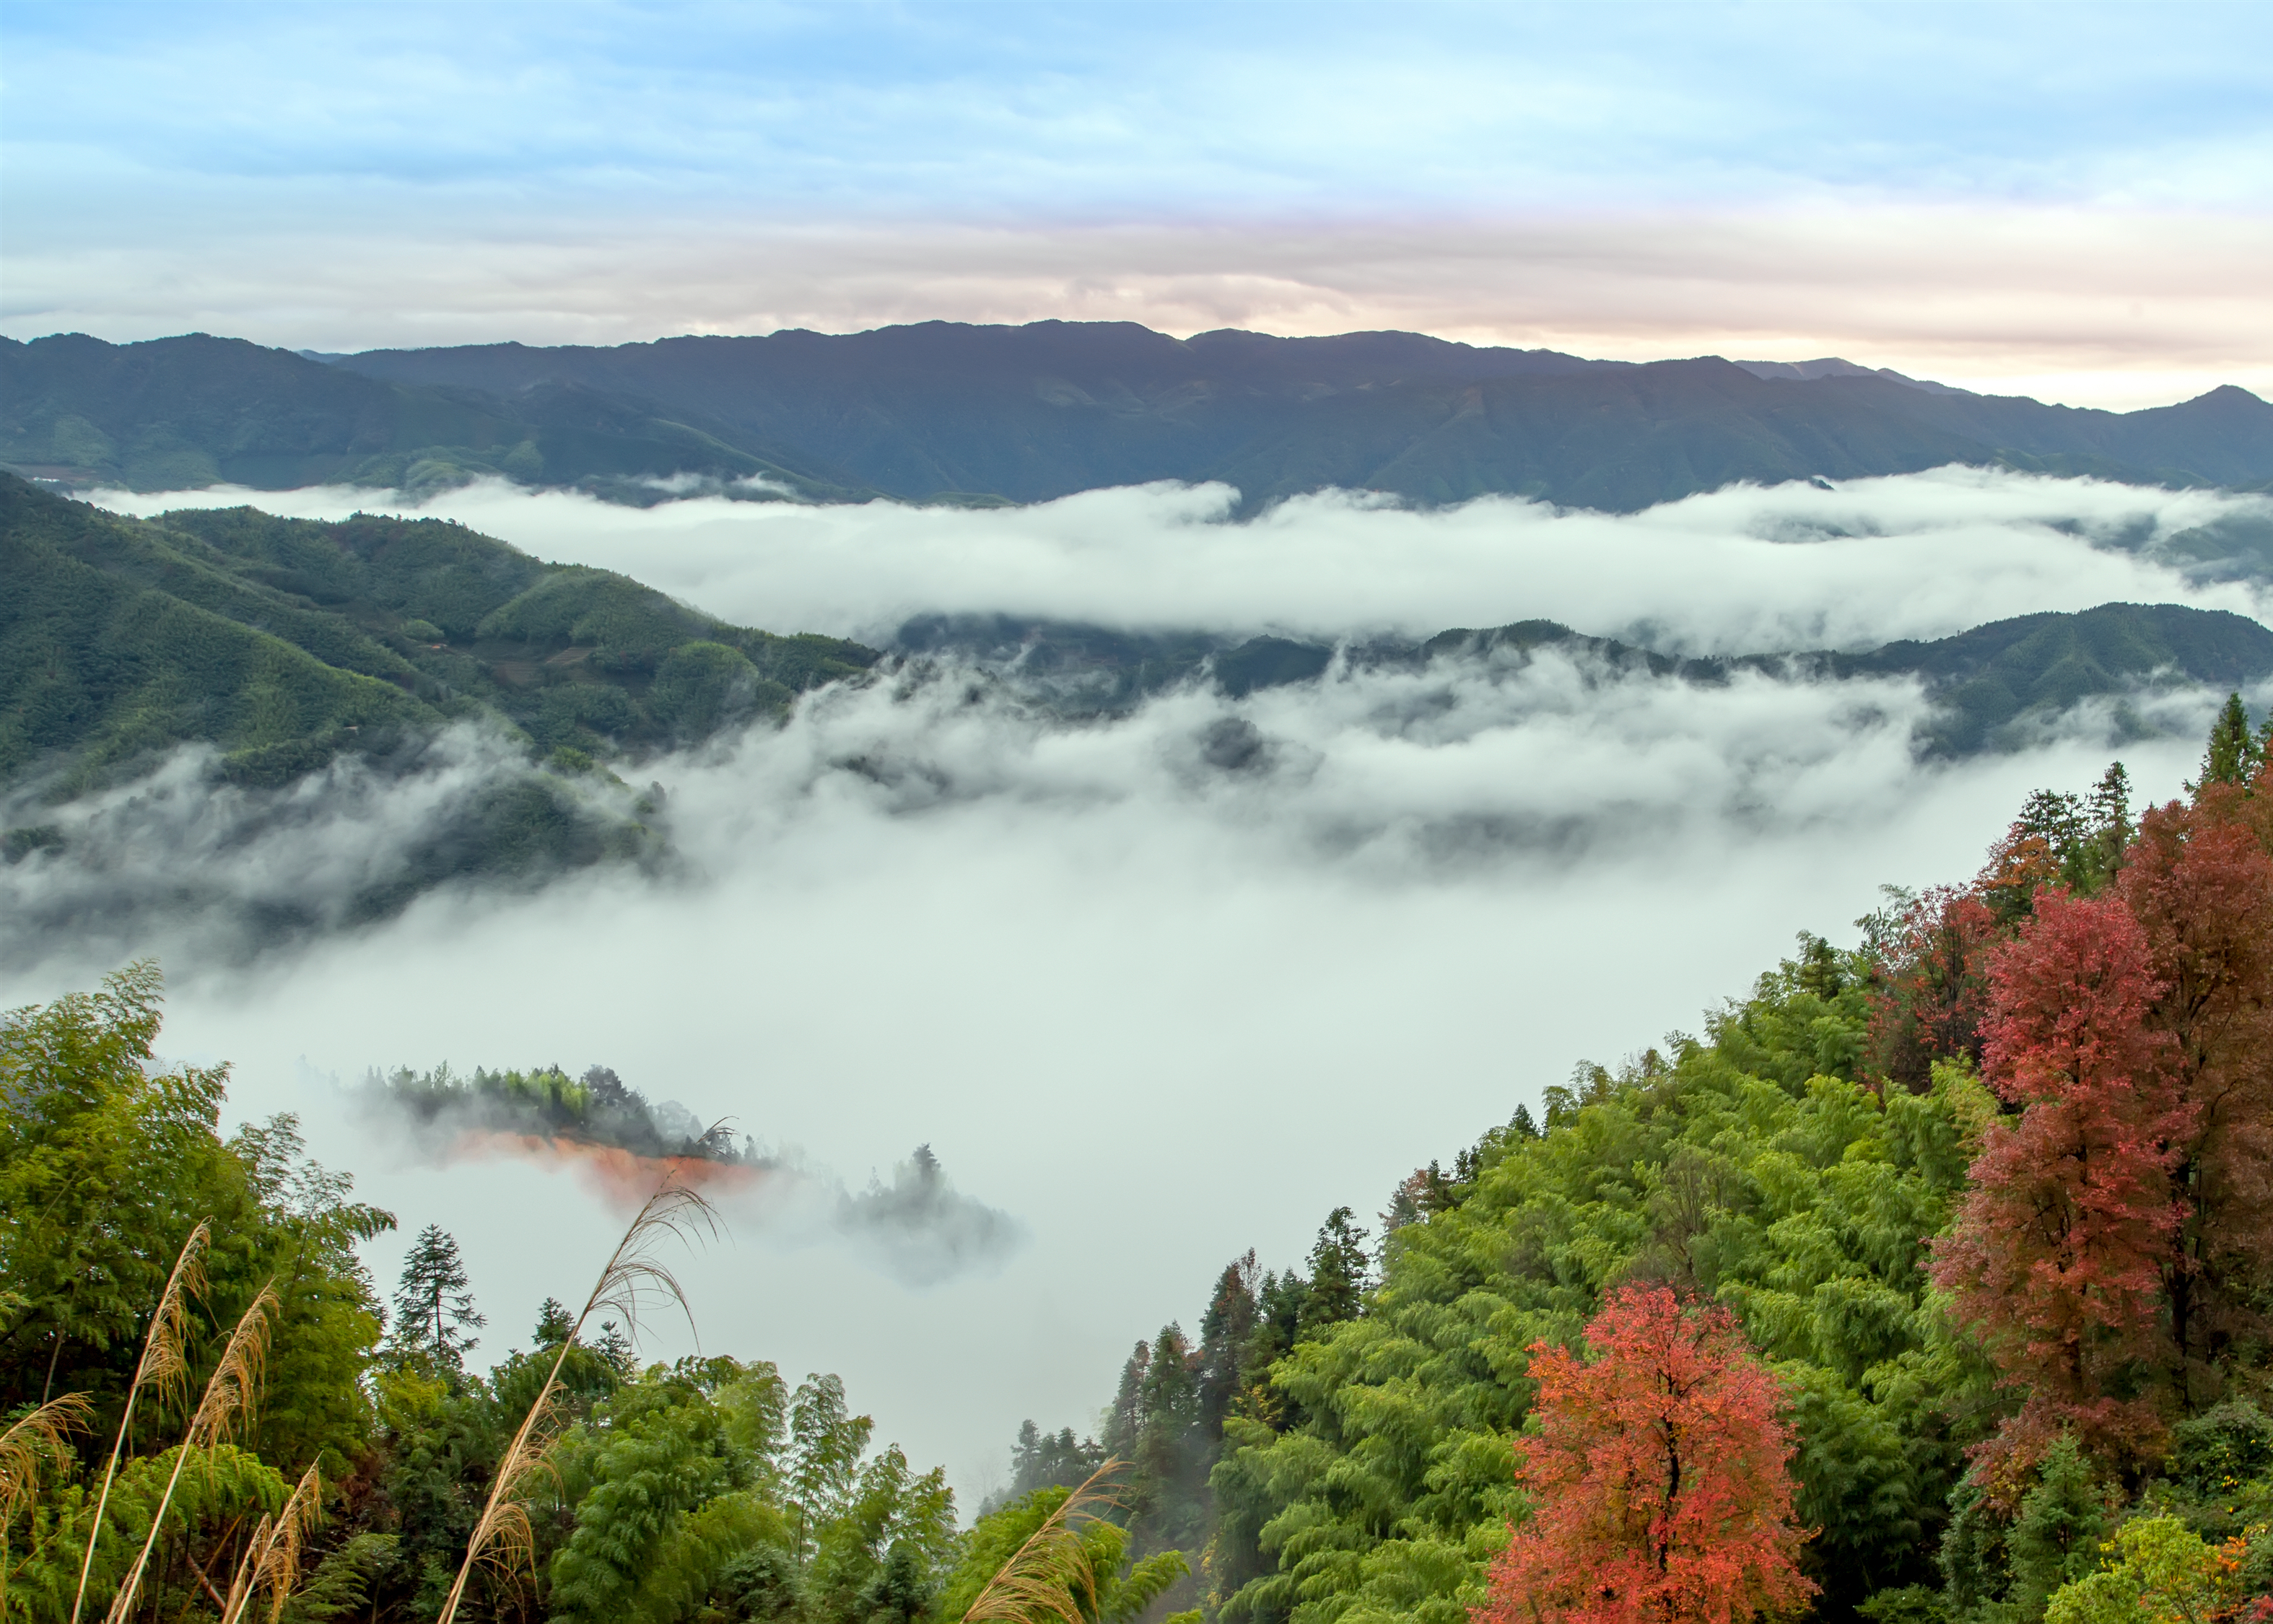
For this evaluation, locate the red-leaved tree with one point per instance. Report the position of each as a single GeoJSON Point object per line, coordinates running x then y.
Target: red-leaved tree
{"type": "Point", "coordinates": [1660, 1477]}
{"type": "Point", "coordinates": [1933, 991]}
{"type": "Point", "coordinates": [2200, 882]}
{"type": "Point", "coordinates": [2058, 1255]}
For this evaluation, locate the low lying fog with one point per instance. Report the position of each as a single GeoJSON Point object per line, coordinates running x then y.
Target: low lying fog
{"type": "Point", "coordinates": [1164, 988]}
{"type": "Point", "coordinates": [1739, 571]}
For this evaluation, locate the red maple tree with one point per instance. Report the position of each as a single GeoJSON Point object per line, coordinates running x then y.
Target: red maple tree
{"type": "Point", "coordinates": [2057, 1258]}
{"type": "Point", "coordinates": [1661, 1479]}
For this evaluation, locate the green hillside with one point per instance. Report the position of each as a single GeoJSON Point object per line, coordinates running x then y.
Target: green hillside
{"type": "Point", "coordinates": [1990, 1251]}
{"type": "Point", "coordinates": [285, 644]}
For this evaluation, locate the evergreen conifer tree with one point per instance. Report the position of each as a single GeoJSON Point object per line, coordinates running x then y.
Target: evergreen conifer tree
{"type": "Point", "coordinates": [434, 1307]}
{"type": "Point", "coordinates": [2234, 753]}
{"type": "Point", "coordinates": [1338, 1268]}
{"type": "Point", "coordinates": [2056, 1538]}
{"type": "Point", "coordinates": [2111, 823]}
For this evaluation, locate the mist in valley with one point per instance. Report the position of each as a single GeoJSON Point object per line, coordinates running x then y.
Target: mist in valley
{"type": "Point", "coordinates": [1155, 988]}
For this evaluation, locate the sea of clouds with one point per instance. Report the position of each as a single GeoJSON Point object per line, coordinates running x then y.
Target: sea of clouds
{"type": "Point", "coordinates": [1158, 988]}
{"type": "Point", "coordinates": [1745, 570]}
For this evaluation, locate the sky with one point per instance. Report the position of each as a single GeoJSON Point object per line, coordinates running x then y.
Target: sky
{"type": "Point", "coordinates": [2065, 200]}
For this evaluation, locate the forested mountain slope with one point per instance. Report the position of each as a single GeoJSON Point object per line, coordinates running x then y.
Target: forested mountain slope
{"type": "Point", "coordinates": [283, 642]}
{"type": "Point", "coordinates": [946, 411]}
{"type": "Point", "coordinates": [291, 649]}
{"type": "Point", "coordinates": [1987, 1196]}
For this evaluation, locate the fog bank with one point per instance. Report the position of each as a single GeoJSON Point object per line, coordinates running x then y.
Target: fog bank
{"type": "Point", "coordinates": [1739, 571]}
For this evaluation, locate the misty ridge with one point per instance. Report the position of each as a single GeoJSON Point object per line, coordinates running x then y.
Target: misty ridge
{"type": "Point", "coordinates": [507, 714]}
{"type": "Point", "coordinates": [917, 1227]}
{"type": "Point", "coordinates": [1489, 755]}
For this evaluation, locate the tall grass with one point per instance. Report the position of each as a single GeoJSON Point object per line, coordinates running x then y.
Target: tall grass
{"type": "Point", "coordinates": [632, 1279]}
{"type": "Point", "coordinates": [230, 1393]}
{"type": "Point", "coordinates": [164, 1365]}
{"type": "Point", "coordinates": [271, 1562]}
{"type": "Point", "coordinates": [29, 1444]}
{"type": "Point", "coordinates": [1052, 1575]}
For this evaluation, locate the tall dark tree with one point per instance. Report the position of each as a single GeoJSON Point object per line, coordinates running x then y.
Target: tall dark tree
{"type": "Point", "coordinates": [1339, 1271]}
{"type": "Point", "coordinates": [433, 1304]}
{"type": "Point", "coordinates": [2234, 753]}
{"type": "Point", "coordinates": [2111, 828]}
{"type": "Point", "coordinates": [1226, 1334]}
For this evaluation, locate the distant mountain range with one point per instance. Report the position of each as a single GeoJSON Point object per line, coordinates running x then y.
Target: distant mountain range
{"type": "Point", "coordinates": [942, 412]}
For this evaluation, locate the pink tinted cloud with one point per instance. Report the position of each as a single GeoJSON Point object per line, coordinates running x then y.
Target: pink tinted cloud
{"type": "Point", "coordinates": [2094, 306]}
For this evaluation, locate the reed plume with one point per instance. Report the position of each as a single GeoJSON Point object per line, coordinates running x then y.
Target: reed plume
{"type": "Point", "coordinates": [164, 1365]}
{"type": "Point", "coordinates": [1050, 1576]}
{"type": "Point", "coordinates": [633, 1279]}
{"type": "Point", "coordinates": [31, 1441]}
{"type": "Point", "coordinates": [230, 1393]}
{"type": "Point", "coordinates": [271, 1562]}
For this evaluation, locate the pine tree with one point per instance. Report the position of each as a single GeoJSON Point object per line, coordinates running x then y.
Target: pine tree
{"type": "Point", "coordinates": [2111, 823]}
{"type": "Point", "coordinates": [1340, 1264]}
{"type": "Point", "coordinates": [2233, 752]}
{"type": "Point", "coordinates": [434, 1307]}
{"type": "Point", "coordinates": [2056, 1538]}
{"type": "Point", "coordinates": [1226, 1333]}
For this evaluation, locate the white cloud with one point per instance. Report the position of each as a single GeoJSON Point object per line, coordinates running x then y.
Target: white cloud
{"type": "Point", "coordinates": [1736, 571]}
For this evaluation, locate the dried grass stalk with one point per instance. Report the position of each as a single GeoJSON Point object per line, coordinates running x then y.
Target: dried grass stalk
{"type": "Point", "coordinates": [633, 1279]}
{"type": "Point", "coordinates": [31, 1442]}
{"type": "Point", "coordinates": [164, 1365]}
{"type": "Point", "coordinates": [271, 1562]}
{"type": "Point", "coordinates": [230, 1392]}
{"type": "Point", "coordinates": [1050, 1576]}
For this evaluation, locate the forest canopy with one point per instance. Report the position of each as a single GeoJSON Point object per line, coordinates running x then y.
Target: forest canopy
{"type": "Point", "coordinates": [1931, 1283]}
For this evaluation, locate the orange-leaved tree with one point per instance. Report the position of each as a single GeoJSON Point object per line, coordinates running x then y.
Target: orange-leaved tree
{"type": "Point", "coordinates": [2057, 1257]}
{"type": "Point", "coordinates": [1660, 1477]}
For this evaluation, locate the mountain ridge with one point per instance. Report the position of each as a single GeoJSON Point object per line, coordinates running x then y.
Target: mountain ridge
{"type": "Point", "coordinates": [950, 412]}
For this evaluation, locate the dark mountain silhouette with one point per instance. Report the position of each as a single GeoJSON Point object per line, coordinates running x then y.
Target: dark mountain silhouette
{"type": "Point", "coordinates": [943, 411]}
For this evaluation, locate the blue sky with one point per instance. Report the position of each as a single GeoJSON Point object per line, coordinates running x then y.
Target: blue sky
{"type": "Point", "coordinates": [1993, 193]}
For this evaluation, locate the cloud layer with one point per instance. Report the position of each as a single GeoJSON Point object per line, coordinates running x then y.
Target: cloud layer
{"type": "Point", "coordinates": [1736, 571]}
